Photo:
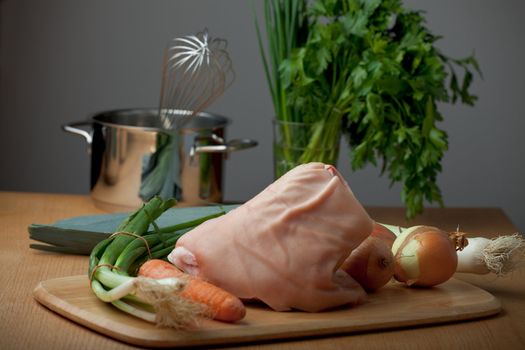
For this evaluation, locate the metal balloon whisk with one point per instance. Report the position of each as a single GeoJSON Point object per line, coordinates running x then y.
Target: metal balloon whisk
{"type": "Point", "coordinates": [196, 71]}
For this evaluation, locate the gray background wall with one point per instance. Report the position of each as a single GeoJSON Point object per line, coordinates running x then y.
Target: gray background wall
{"type": "Point", "coordinates": [62, 60]}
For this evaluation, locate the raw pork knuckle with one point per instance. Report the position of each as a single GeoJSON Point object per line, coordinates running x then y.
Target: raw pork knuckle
{"type": "Point", "coordinates": [285, 245]}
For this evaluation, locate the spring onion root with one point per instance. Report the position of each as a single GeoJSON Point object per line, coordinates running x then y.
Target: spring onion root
{"type": "Point", "coordinates": [171, 309]}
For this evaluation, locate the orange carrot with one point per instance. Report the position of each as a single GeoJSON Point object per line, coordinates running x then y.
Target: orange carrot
{"type": "Point", "coordinates": [223, 305]}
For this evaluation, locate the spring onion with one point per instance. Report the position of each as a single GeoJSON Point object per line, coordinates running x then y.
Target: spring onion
{"type": "Point", "coordinates": [114, 262]}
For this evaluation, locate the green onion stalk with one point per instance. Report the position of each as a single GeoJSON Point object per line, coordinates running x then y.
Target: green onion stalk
{"type": "Point", "coordinates": [285, 28]}
{"type": "Point", "coordinates": [304, 132]}
{"type": "Point", "coordinates": [114, 262]}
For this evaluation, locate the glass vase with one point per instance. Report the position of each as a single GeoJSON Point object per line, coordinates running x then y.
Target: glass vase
{"type": "Point", "coordinates": [296, 143]}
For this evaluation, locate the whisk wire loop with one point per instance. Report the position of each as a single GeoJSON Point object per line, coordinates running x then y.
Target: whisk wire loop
{"type": "Point", "coordinates": [196, 71]}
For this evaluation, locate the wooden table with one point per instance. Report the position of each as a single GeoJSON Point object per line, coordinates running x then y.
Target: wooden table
{"type": "Point", "coordinates": [25, 324]}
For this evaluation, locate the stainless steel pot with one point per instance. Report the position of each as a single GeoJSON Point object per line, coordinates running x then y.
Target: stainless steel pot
{"type": "Point", "coordinates": [133, 158]}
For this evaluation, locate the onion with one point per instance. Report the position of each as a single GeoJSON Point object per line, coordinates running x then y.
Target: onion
{"type": "Point", "coordinates": [426, 256]}
{"type": "Point", "coordinates": [380, 231]}
{"type": "Point", "coordinates": [371, 264]}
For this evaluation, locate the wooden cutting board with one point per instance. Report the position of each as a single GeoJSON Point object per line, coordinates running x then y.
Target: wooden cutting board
{"type": "Point", "coordinates": [393, 306]}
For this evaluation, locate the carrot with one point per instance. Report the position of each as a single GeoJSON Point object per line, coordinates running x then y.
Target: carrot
{"type": "Point", "coordinates": [223, 305]}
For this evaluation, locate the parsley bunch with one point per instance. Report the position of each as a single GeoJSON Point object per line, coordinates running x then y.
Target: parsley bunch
{"type": "Point", "coordinates": [372, 66]}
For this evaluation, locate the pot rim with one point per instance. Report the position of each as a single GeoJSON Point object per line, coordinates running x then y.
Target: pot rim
{"type": "Point", "coordinates": [143, 119]}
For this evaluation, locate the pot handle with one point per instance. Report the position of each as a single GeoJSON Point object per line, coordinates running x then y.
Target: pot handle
{"type": "Point", "coordinates": [72, 128]}
{"type": "Point", "coordinates": [220, 146]}
{"type": "Point", "coordinates": [230, 146]}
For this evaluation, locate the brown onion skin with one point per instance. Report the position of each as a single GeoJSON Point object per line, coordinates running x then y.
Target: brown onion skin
{"type": "Point", "coordinates": [384, 233]}
{"type": "Point", "coordinates": [437, 258]}
{"type": "Point", "coordinates": [371, 264]}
